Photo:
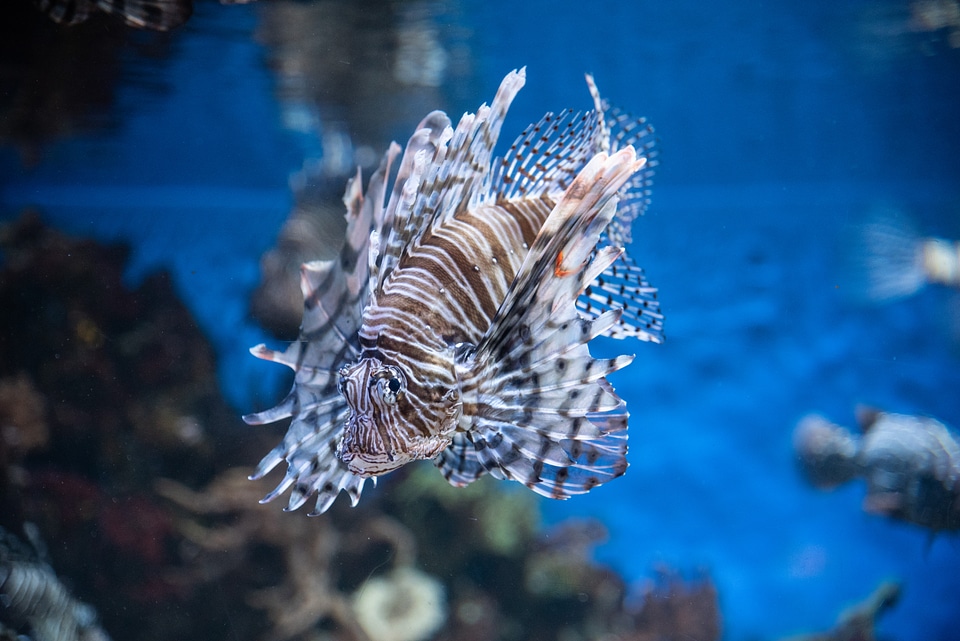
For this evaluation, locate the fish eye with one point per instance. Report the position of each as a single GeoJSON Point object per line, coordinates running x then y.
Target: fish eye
{"type": "Point", "coordinates": [390, 385]}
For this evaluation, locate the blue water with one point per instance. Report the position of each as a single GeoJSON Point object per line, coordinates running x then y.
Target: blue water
{"type": "Point", "coordinates": [780, 125]}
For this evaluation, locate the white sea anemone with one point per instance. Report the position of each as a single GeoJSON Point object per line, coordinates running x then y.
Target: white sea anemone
{"type": "Point", "coordinates": [405, 605]}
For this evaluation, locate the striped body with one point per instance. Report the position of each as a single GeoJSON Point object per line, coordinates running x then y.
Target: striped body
{"type": "Point", "coordinates": [457, 278]}
{"type": "Point", "coordinates": [444, 294]}
{"type": "Point", "coordinates": [454, 325]}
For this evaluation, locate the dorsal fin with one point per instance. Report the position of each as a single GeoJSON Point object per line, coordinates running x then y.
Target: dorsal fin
{"type": "Point", "coordinates": [624, 285]}
{"type": "Point", "coordinates": [463, 175]}
{"type": "Point", "coordinates": [600, 106]}
{"type": "Point", "coordinates": [545, 157]}
{"type": "Point", "coordinates": [441, 170]}
{"type": "Point", "coordinates": [617, 130]}
{"type": "Point", "coordinates": [394, 228]}
{"type": "Point", "coordinates": [629, 131]}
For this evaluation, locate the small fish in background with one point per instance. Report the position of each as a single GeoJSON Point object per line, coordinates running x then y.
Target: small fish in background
{"type": "Point", "coordinates": [33, 599]}
{"type": "Point", "coordinates": [911, 464]}
{"type": "Point", "coordinates": [158, 15]}
{"type": "Point", "coordinates": [454, 324]}
{"type": "Point", "coordinates": [893, 260]}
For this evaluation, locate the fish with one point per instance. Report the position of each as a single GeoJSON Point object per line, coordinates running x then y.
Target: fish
{"type": "Point", "coordinates": [156, 15]}
{"type": "Point", "coordinates": [894, 260]}
{"type": "Point", "coordinates": [911, 464]}
{"type": "Point", "coordinates": [454, 324]}
{"type": "Point", "coordinates": [32, 596]}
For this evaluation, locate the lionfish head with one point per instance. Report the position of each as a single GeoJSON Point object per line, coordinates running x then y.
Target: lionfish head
{"type": "Point", "coordinates": [390, 424]}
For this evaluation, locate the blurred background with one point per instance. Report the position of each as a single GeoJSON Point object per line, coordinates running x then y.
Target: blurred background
{"type": "Point", "coordinates": [158, 189]}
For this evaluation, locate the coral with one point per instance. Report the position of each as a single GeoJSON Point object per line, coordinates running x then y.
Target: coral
{"type": "Point", "coordinates": [123, 384]}
{"type": "Point", "coordinates": [405, 605]}
{"type": "Point", "coordinates": [357, 574]}
{"type": "Point", "coordinates": [505, 519]}
{"type": "Point", "coordinates": [306, 594]}
{"type": "Point", "coordinates": [674, 610]}
{"type": "Point", "coordinates": [23, 422]}
{"type": "Point", "coordinates": [308, 591]}
{"type": "Point", "coordinates": [858, 622]}
{"type": "Point", "coordinates": [543, 584]}
{"type": "Point", "coordinates": [122, 540]}
{"type": "Point", "coordinates": [128, 368]}
{"type": "Point", "coordinates": [560, 562]}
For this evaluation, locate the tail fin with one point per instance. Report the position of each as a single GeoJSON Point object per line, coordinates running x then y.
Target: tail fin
{"type": "Point", "coordinates": [887, 262]}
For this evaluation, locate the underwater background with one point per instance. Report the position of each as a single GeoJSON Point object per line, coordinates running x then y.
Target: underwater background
{"type": "Point", "coordinates": [782, 127]}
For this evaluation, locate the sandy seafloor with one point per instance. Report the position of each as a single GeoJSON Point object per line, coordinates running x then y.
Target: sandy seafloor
{"type": "Point", "coordinates": [780, 126]}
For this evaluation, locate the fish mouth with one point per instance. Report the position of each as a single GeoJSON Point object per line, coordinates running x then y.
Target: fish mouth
{"type": "Point", "coordinates": [363, 451]}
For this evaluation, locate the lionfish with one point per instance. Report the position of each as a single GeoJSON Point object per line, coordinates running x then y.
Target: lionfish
{"type": "Point", "coordinates": [454, 324]}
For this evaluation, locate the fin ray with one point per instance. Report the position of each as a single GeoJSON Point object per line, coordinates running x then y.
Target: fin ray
{"type": "Point", "coordinates": [459, 463]}
{"type": "Point", "coordinates": [441, 172]}
{"type": "Point", "coordinates": [623, 285]}
{"type": "Point", "coordinates": [334, 294]}
{"type": "Point", "coordinates": [504, 387]}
